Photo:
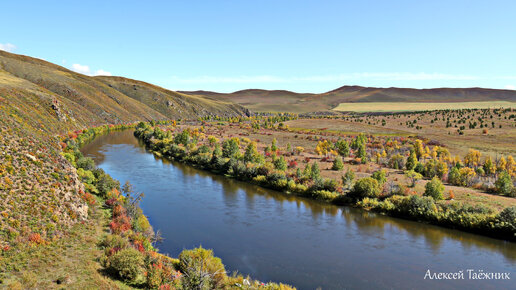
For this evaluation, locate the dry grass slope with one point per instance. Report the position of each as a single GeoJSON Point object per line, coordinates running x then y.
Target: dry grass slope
{"type": "Point", "coordinates": [40, 195]}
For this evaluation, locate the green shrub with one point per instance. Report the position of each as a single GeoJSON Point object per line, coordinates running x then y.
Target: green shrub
{"type": "Point", "coordinates": [315, 173]}
{"type": "Point", "coordinates": [114, 241]}
{"type": "Point", "coordinates": [338, 164]}
{"type": "Point", "coordinates": [104, 182]}
{"type": "Point", "coordinates": [434, 189]}
{"type": "Point", "coordinates": [70, 157]}
{"type": "Point", "coordinates": [201, 270]}
{"type": "Point", "coordinates": [369, 203]}
{"type": "Point", "coordinates": [465, 215]}
{"type": "Point", "coordinates": [260, 179]}
{"type": "Point", "coordinates": [128, 264]}
{"type": "Point", "coordinates": [301, 188]}
{"type": "Point", "coordinates": [86, 176]}
{"type": "Point", "coordinates": [280, 163]}
{"type": "Point", "coordinates": [454, 176]}
{"type": "Point", "coordinates": [366, 187]}
{"type": "Point", "coordinates": [397, 161]}
{"type": "Point", "coordinates": [230, 148]}
{"type": "Point", "coordinates": [266, 169]}
{"type": "Point", "coordinates": [324, 195]}
{"type": "Point", "coordinates": [504, 184]}
{"type": "Point", "coordinates": [413, 176]}
{"type": "Point", "coordinates": [411, 161]}
{"type": "Point", "coordinates": [251, 153]}
{"type": "Point", "coordinates": [182, 138]}
{"type": "Point", "coordinates": [86, 163]}
{"type": "Point", "coordinates": [342, 147]}
{"type": "Point", "coordinates": [141, 224]}
{"type": "Point", "coordinates": [380, 176]}
{"type": "Point", "coordinates": [347, 178]}
{"type": "Point", "coordinates": [328, 184]}
{"type": "Point", "coordinates": [176, 151]}
{"type": "Point", "coordinates": [506, 221]}
{"type": "Point", "coordinates": [291, 185]}
{"type": "Point", "coordinates": [420, 168]}
{"type": "Point", "coordinates": [420, 207]}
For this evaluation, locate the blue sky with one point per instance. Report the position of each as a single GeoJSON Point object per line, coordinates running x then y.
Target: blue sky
{"type": "Point", "coordinates": [304, 46]}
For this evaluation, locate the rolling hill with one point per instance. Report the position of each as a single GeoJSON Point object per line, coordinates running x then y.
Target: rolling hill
{"type": "Point", "coordinates": [41, 193]}
{"type": "Point", "coordinates": [277, 100]}
{"type": "Point", "coordinates": [57, 98]}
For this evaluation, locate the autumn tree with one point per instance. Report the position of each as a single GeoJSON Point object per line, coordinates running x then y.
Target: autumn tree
{"type": "Point", "coordinates": [411, 161]}
{"type": "Point", "coordinates": [502, 164]}
{"type": "Point", "coordinates": [418, 148]}
{"type": "Point", "coordinates": [489, 167]}
{"type": "Point", "coordinates": [323, 147]}
{"type": "Point", "coordinates": [472, 159]}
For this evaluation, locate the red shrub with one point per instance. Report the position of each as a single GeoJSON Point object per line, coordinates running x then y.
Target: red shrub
{"type": "Point", "coordinates": [139, 246]}
{"type": "Point", "coordinates": [90, 199]}
{"type": "Point", "coordinates": [118, 210]}
{"type": "Point", "coordinates": [120, 224]}
{"type": "Point", "coordinates": [292, 164]}
{"type": "Point", "coordinates": [72, 135]}
{"type": "Point", "coordinates": [113, 251]}
{"type": "Point", "coordinates": [36, 238]}
{"type": "Point", "coordinates": [111, 202]}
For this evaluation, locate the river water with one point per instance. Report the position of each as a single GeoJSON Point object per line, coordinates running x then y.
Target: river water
{"type": "Point", "coordinates": [275, 237]}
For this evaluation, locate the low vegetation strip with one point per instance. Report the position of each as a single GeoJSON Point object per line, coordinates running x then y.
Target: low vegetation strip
{"type": "Point", "coordinates": [407, 106]}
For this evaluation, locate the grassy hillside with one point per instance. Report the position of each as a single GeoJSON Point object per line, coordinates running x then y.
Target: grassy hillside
{"type": "Point", "coordinates": [39, 100]}
{"type": "Point", "coordinates": [264, 101]}
{"type": "Point", "coordinates": [42, 200]}
{"type": "Point", "coordinates": [85, 101]}
{"type": "Point", "coordinates": [170, 103]}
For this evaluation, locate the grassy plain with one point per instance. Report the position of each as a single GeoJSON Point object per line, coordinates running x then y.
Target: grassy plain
{"type": "Point", "coordinates": [492, 140]}
{"type": "Point", "coordinates": [407, 106]}
{"type": "Point", "coordinates": [307, 133]}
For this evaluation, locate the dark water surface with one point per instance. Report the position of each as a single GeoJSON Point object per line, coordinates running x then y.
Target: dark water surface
{"type": "Point", "coordinates": [274, 237]}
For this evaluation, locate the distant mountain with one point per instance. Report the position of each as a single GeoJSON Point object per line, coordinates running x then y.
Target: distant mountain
{"type": "Point", "coordinates": [264, 100]}
{"type": "Point", "coordinates": [56, 98]}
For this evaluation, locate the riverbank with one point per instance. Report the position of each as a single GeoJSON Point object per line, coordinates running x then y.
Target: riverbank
{"type": "Point", "coordinates": [192, 147]}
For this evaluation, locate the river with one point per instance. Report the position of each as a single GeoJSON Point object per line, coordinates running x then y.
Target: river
{"type": "Point", "coordinates": [275, 237]}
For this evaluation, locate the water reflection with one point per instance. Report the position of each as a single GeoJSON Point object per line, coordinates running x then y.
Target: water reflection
{"type": "Point", "coordinates": [280, 237]}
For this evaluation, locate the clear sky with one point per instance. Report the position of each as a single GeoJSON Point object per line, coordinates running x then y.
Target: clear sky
{"type": "Point", "coordinates": [304, 46]}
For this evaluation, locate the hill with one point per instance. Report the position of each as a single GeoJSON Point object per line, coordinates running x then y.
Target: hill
{"type": "Point", "coordinates": [277, 100]}
{"type": "Point", "coordinates": [39, 100]}
{"type": "Point", "coordinates": [42, 197]}
{"type": "Point", "coordinates": [48, 92]}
